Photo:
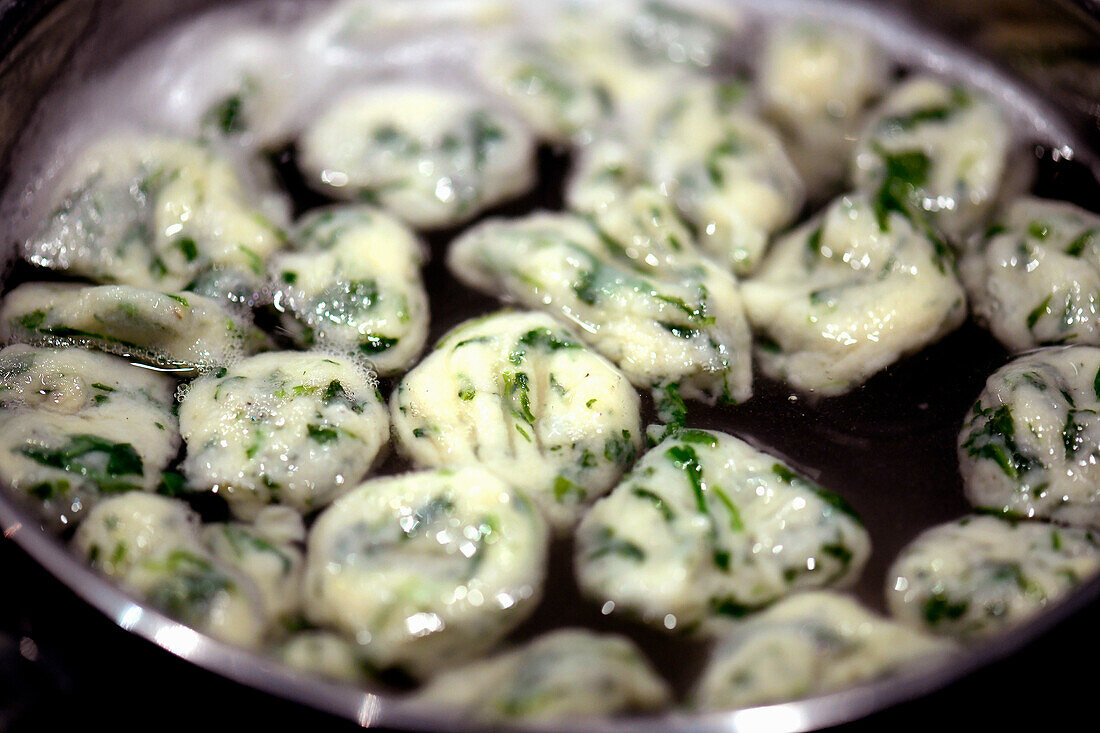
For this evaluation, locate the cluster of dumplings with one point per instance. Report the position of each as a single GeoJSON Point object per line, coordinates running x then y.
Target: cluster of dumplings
{"type": "Point", "coordinates": [288, 357]}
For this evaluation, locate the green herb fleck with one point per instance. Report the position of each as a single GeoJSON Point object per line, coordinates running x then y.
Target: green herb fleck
{"type": "Point", "coordinates": [608, 544]}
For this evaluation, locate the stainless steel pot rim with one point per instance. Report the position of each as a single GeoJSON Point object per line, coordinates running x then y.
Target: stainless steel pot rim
{"type": "Point", "coordinates": [371, 709]}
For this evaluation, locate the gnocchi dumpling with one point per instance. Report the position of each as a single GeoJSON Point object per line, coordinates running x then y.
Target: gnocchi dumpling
{"type": "Point", "coordinates": [726, 169]}
{"type": "Point", "coordinates": [981, 575]}
{"type": "Point", "coordinates": [180, 331]}
{"type": "Point", "coordinates": [816, 81]}
{"type": "Point", "coordinates": [1035, 277]}
{"type": "Point", "coordinates": [566, 674]}
{"type": "Point", "coordinates": [1029, 446]}
{"type": "Point", "coordinates": [129, 529]}
{"type": "Point", "coordinates": [267, 552]}
{"type": "Point", "coordinates": [323, 654]}
{"type": "Point", "coordinates": [937, 148]}
{"type": "Point", "coordinates": [520, 396]}
{"type": "Point", "coordinates": [604, 171]}
{"type": "Point", "coordinates": [352, 284]}
{"type": "Point", "coordinates": [809, 644]}
{"type": "Point", "coordinates": [79, 425]}
{"type": "Point", "coordinates": [705, 527]}
{"type": "Point", "coordinates": [426, 569]}
{"type": "Point", "coordinates": [290, 428]}
{"type": "Point", "coordinates": [688, 32]}
{"type": "Point", "coordinates": [434, 157]}
{"type": "Point", "coordinates": [849, 293]}
{"type": "Point", "coordinates": [634, 47]}
{"type": "Point", "coordinates": [552, 95]}
{"type": "Point", "coordinates": [595, 41]}
{"type": "Point", "coordinates": [150, 544]}
{"type": "Point", "coordinates": [645, 230]}
{"type": "Point", "coordinates": [241, 87]}
{"type": "Point", "coordinates": [163, 214]}
{"type": "Point", "coordinates": [680, 324]}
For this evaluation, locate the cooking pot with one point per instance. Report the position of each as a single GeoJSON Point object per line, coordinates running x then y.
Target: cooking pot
{"type": "Point", "coordinates": [1047, 49]}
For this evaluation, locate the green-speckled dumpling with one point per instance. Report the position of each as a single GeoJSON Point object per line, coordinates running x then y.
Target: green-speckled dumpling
{"type": "Point", "coordinates": [433, 156]}
{"type": "Point", "coordinates": [79, 425]}
{"type": "Point", "coordinates": [809, 644]}
{"type": "Point", "coordinates": [162, 214]}
{"type": "Point", "coordinates": [682, 323]}
{"type": "Point", "coordinates": [151, 545]}
{"type": "Point", "coordinates": [726, 169]}
{"type": "Point", "coordinates": [291, 428]}
{"type": "Point", "coordinates": [352, 284]}
{"type": "Point", "coordinates": [940, 147]}
{"type": "Point", "coordinates": [705, 527]}
{"type": "Point", "coordinates": [522, 397]}
{"type": "Point", "coordinates": [847, 294]}
{"type": "Point", "coordinates": [1034, 278]}
{"type": "Point", "coordinates": [568, 674]}
{"type": "Point", "coordinates": [268, 552]}
{"type": "Point", "coordinates": [180, 331]}
{"type": "Point", "coordinates": [982, 575]}
{"type": "Point", "coordinates": [1030, 444]}
{"type": "Point", "coordinates": [426, 569]}
{"type": "Point", "coordinates": [816, 81]}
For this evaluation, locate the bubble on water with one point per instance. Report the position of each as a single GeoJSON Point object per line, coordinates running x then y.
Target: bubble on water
{"type": "Point", "coordinates": [350, 356]}
{"type": "Point", "coordinates": [182, 389]}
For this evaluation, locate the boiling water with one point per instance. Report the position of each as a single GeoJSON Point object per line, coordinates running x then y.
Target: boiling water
{"type": "Point", "coordinates": [888, 447]}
